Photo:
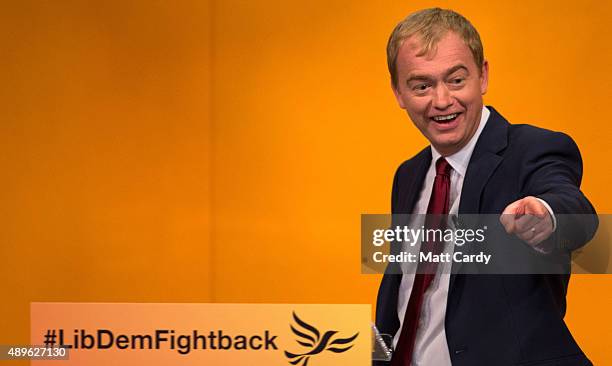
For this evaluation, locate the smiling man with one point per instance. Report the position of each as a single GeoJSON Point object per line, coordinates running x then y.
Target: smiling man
{"type": "Point", "coordinates": [478, 163]}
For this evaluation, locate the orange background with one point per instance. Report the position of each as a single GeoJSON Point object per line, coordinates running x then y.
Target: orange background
{"type": "Point", "coordinates": [222, 151]}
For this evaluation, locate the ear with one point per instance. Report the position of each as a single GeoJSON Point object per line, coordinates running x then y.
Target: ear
{"type": "Point", "coordinates": [484, 77]}
{"type": "Point", "coordinates": [398, 95]}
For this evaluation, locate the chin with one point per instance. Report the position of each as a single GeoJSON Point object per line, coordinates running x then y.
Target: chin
{"type": "Point", "coordinates": [445, 146]}
{"type": "Point", "coordinates": [446, 143]}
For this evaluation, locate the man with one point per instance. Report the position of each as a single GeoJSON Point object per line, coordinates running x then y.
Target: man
{"type": "Point", "coordinates": [478, 163]}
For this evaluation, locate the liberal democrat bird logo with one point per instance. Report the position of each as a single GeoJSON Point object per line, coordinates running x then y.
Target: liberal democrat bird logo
{"type": "Point", "coordinates": [310, 337]}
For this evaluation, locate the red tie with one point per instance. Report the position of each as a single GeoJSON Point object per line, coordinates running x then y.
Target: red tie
{"type": "Point", "coordinates": [438, 207]}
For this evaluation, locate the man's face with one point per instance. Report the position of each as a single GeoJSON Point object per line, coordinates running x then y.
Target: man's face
{"type": "Point", "coordinates": [441, 91]}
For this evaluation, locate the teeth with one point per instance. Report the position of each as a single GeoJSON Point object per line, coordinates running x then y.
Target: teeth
{"type": "Point", "coordinates": [445, 118]}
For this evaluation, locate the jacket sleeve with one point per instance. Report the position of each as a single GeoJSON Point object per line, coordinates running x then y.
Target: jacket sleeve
{"type": "Point", "coordinates": [554, 175]}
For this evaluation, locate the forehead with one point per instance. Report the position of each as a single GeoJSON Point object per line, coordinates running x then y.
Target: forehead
{"type": "Point", "coordinates": [450, 51]}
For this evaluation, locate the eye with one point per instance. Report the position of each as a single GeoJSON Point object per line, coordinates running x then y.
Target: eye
{"type": "Point", "coordinates": [420, 87]}
{"type": "Point", "coordinates": [457, 81]}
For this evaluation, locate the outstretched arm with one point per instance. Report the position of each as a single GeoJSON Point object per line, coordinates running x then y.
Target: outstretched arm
{"type": "Point", "coordinates": [554, 176]}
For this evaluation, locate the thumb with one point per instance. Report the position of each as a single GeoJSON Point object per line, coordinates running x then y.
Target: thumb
{"type": "Point", "coordinates": [511, 213]}
{"type": "Point", "coordinates": [534, 207]}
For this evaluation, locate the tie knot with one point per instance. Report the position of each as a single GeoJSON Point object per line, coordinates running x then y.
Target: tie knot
{"type": "Point", "coordinates": [443, 167]}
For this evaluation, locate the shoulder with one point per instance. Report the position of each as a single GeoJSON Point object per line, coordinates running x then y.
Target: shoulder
{"type": "Point", "coordinates": [413, 164]}
{"type": "Point", "coordinates": [406, 180]}
{"type": "Point", "coordinates": [534, 152]}
{"type": "Point", "coordinates": [529, 135]}
{"type": "Point", "coordinates": [526, 138]}
{"type": "Point", "coordinates": [531, 143]}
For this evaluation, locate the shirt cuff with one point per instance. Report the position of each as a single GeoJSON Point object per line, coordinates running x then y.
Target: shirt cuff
{"type": "Point", "coordinates": [545, 247]}
{"type": "Point", "coordinates": [550, 211]}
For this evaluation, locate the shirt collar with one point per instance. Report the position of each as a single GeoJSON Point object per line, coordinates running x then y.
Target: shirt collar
{"type": "Point", "coordinates": [460, 160]}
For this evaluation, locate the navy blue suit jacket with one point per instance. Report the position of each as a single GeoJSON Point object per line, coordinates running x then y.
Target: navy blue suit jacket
{"type": "Point", "coordinates": [505, 319]}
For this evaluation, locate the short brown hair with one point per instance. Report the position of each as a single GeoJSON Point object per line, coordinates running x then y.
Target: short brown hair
{"type": "Point", "coordinates": [431, 25]}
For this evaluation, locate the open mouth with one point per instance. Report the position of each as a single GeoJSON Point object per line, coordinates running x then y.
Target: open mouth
{"type": "Point", "coordinates": [445, 118]}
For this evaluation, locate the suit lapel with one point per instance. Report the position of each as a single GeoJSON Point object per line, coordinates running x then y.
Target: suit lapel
{"type": "Point", "coordinates": [411, 182]}
{"type": "Point", "coordinates": [485, 159]}
{"type": "Point", "coordinates": [414, 183]}
{"type": "Point", "coordinates": [477, 175]}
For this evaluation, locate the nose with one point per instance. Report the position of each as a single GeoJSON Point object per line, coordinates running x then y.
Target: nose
{"type": "Point", "coordinates": [442, 97]}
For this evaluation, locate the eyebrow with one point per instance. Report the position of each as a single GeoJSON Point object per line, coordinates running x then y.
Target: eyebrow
{"type": "Point", "coordinates": [452, 70]}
